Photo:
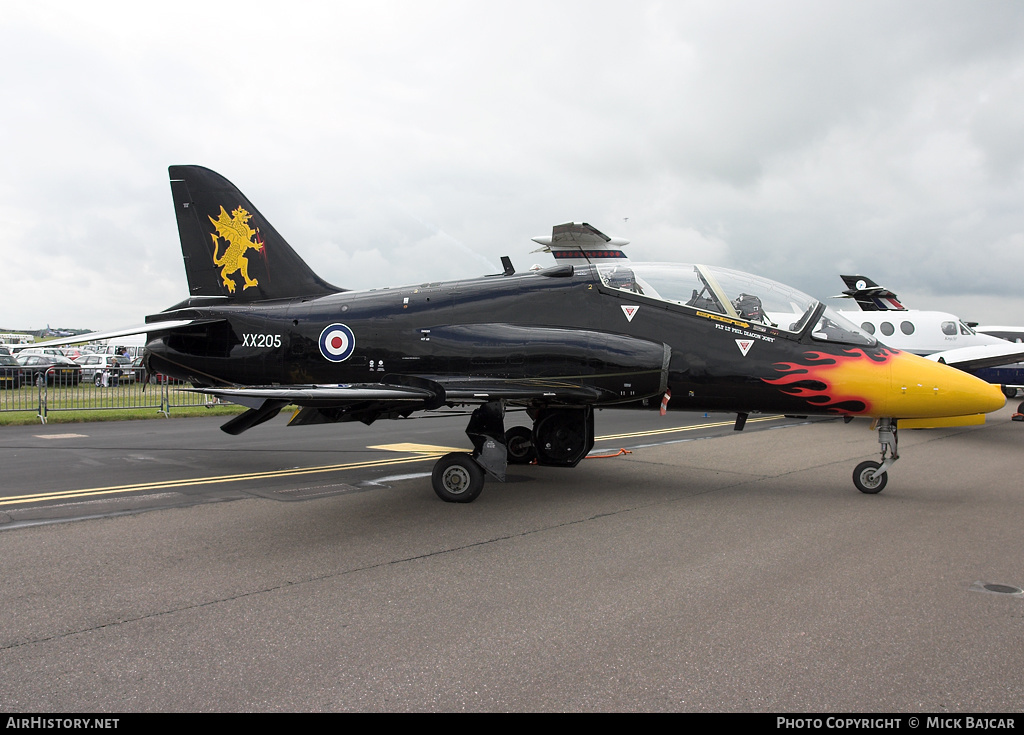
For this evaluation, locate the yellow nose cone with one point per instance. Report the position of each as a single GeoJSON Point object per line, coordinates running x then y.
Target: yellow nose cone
{"type": "Point", "coordinates": [885, 383]}
{"type": "Point", "coordinates": [921, 388]}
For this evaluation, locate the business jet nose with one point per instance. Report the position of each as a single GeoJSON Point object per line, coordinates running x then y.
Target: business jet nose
{"type": "Point", "coordinates": [921, 388]}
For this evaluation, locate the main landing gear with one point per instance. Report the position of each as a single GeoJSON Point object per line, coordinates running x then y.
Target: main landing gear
{"type": "Point", "coordinates": [457, 478]}
{"type": "Point", "coordinates": [870, 477]}
{"type": "Point", "coordinates": [560, 437]}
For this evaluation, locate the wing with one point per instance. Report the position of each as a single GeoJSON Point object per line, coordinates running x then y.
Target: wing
{"type": "Point", "coordinates": [581, 242]}
{"type": "Point", "coordinates": [399, 397]}
{"type": "Point", "coordinates": [981, 356]}
{"type": "Point", "coordinates": [124, 332]}
{"type": "Point", "coordinates": [325, 403]}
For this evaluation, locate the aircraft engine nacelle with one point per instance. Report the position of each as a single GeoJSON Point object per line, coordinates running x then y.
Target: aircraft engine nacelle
{"type": "Point", "coordinates": [615, 368]}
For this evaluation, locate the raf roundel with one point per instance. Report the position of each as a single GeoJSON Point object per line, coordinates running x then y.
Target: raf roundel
{"type": "Point", "coordinates": [337, 343]}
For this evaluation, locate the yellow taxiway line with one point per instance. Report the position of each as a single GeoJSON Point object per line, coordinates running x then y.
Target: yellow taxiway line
{"type": "Point", "coordinates": [419, 452]}
{"type": "Point", "coordinates": [677, 429]}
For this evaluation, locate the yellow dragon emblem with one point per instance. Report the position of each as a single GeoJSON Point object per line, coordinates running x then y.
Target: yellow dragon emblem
{"type": "Point", "coordinates": [234, 228]}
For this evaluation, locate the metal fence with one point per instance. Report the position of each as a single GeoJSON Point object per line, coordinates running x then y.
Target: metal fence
{"type": "Point", "coordinates": [127, 392]}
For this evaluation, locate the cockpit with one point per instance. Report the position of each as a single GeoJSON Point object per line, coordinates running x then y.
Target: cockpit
{"type": "Point", "coordinates": [733, 294]}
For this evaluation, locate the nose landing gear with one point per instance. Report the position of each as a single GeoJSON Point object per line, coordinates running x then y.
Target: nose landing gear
{"type": "Point", "coordinates": [870, 477]}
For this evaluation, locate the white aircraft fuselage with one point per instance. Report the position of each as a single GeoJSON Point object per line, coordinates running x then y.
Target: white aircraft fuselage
{"type": "Point", "coordinates": [920, 332]}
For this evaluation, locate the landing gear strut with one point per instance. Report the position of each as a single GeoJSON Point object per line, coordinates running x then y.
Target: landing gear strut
{"type": "Point", "coordinates": [458, 477]}
{"type": "Point", "coordinates": [870, 477]}
{"type": "Point", "coordinates": [560, 437]}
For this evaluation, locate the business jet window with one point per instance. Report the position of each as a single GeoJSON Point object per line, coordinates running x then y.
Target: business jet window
{"type": "Point", "coordinates": [949, 328]}
{"type": "Point", "coordinates": [888, 329]}
{"type": "Point", "coordinates": [907, 328]}
{"type": "Point", "coordinates": [868, 327]}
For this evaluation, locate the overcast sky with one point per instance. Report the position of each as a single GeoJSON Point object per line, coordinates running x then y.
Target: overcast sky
{"type": "Point", "coordinates": [398, 142]}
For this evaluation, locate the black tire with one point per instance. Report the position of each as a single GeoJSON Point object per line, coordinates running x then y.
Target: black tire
{"type": "Point", "coordinates": [1009, 392]}
{"type": "Point", "coordinates": [862, 478]}
{"type": "Point", "coordinates": [519, 441]}
{"type": "Point", "coordinates": [457, 478]}
{"type": "Point", "coordinates": [97, 380]}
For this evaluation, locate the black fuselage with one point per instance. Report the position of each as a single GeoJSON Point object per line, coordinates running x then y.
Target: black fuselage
{"type": "Point", "coordinates": [562, 324]}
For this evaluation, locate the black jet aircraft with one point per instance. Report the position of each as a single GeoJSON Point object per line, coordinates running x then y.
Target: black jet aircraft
{"type": "Point", "coordinates": [261, 329]}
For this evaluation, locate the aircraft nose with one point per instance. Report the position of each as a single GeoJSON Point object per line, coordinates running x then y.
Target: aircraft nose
{"type": "Point", "coordinates": [921, 388]}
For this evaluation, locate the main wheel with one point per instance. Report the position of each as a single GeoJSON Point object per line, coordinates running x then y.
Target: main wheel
{"type": "Point", "coordinates": [457, 478]}
{"type": "Point", "coordinates": [1009, 392]}
{"type": "Point", "coordinates": [863, 480]}
{"type": "Point", "coordinates": [519, 441]}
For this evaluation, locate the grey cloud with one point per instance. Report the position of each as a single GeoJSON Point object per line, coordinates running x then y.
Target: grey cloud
{"type": "Point", "coordinates": [397, 142]}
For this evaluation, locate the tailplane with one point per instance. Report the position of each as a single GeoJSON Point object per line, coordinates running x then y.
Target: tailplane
{"type": "Point", "coordinates": [230, 249]}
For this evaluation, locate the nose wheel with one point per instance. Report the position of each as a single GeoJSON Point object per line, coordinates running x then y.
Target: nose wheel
{"type": "Point", "coordinates": [870, 477]}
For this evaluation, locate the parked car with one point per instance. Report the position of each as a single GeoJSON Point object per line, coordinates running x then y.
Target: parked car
{"type": "Point", "coordinates": [118, 369]}
{"type": "Point", "coordinates": [58, 351]}
{"type": "Point", "coordinates": [140, 373]}
{"type": "Point", "coordinates": [55, 370]}
{"type": "Point", "coordinates": [10, 372]}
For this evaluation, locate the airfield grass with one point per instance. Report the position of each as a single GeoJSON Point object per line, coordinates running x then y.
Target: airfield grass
{"type": "Point", "coordinates": [86, 403]}
{"type": "Point", "coordinates": [24, 418]}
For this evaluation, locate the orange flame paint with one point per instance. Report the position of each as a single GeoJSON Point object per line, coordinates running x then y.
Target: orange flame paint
{"type": "Point", "coordinates": [839, 383]}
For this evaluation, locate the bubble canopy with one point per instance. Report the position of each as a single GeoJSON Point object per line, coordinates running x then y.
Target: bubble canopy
{"type": "Point", "coordinates": [734, 294]}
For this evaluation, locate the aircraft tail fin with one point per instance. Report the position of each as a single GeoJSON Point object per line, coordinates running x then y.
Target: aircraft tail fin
{"type": "Point", "coordinates": [230, 249]}
{"type": "Point", "coordinates": [869, 295]}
